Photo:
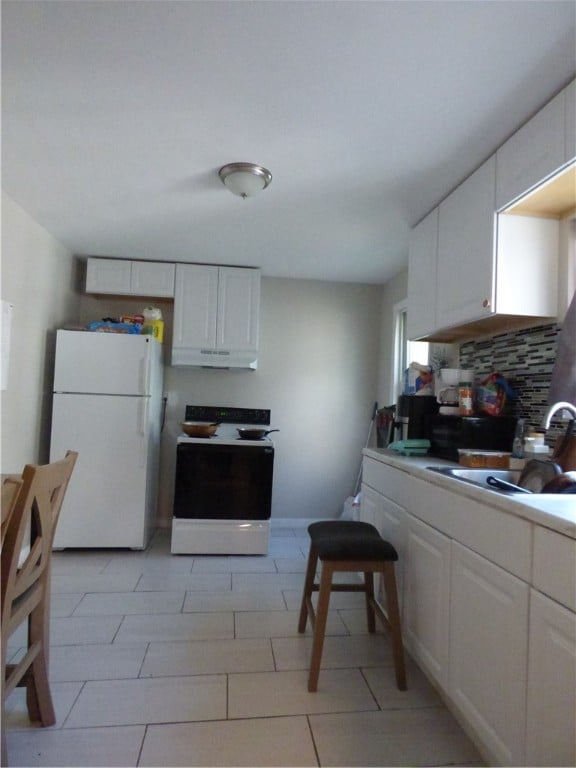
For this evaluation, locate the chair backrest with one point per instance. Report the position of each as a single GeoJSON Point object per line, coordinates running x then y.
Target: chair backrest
{"type": "Point", "coordinates": [10, 490]}
{"type": "Point", "coordinates": [36, 511]}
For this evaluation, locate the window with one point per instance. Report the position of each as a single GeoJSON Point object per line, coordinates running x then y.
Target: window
{"type": "Point", "coordinates": [405, 351]}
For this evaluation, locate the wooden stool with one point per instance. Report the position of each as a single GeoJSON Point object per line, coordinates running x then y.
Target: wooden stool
{"type": "Point", "coordinates": [352, 547]}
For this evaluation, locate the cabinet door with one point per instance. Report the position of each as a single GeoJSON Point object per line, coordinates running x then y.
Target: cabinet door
{"type": "Point", "coordinates": [152, 278]}
{"type": "Point", "coordinates": [370, 505]}
{"type": "Point", "coordinates": [570, 122]}
{"type": "Point", "coordinates": [393, 527]}
{"type": "Point", "coordinates": [108, 276]}
{"type": "Point", "coordinates": [534, 152]}
{"type": "Point", "coordinates": [238, 308]}
{"type": "Point", "coordinates": [488, 652]}
{"type": "Point", "coordinates": [466, 253]}
{"type": "Point", "coordinates": [195, 302]}
{"type": "Point", "coordinates": [426, 598]}
{"type": "Point", "coordinates": [551, 720]}
{"type": "Point", "coordinates": [422, 261]}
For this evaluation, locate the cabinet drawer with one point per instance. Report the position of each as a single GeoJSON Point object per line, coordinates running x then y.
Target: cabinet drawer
{"type": "Point", "coordinates": [554, 566]}
{"type": "Point", "coordinates": [502, 538]}
{"type": "Point", "coordinates": [386, 480]}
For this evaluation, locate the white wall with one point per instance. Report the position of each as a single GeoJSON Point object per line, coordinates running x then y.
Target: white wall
{"type": "Point", "coordinates": [38, 278]}
{"type": "Point", "coordinates": [317, 373]}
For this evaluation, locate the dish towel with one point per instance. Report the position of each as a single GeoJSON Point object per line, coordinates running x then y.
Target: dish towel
{"type": "Point", "coordinates": [563, 383]}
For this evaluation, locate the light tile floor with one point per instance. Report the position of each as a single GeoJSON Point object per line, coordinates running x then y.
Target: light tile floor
{"type": "Point", "coordinates": [161, 660]}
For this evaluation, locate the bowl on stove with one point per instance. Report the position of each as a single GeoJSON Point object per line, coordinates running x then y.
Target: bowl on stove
{"type": "Point", "coordinates": [193, 429]}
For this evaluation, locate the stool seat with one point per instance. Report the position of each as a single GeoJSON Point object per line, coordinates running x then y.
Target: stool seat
{"type": "Point", "coordinates": [349, 546]}
{"type": "Point", "coordinates": [350, 540]}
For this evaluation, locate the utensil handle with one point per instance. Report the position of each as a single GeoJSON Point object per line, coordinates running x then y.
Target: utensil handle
{"type": "Point", "coordinates": [504, 485]}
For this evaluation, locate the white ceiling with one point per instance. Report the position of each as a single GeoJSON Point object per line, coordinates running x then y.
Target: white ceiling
{"type": "Point", "coordinates": [117, 115]}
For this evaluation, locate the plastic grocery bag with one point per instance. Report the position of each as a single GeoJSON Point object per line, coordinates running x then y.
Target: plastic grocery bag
{"type": "Point", "coordinates": [492, 395]}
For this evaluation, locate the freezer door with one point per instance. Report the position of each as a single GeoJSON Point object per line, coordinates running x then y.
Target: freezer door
{"type": "Point", "coordinates": [104, 363]}
{"type": "Point", "coordinates": [106, 504]}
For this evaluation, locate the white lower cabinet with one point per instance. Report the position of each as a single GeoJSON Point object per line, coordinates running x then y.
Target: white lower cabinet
{"type": "Point", "coordinates": [370, 502]}
{"type": "Point", "coordinates": [488, 613]}
{"type": "Point", "coordinates": [427, 598]}
{"type": "Point", "coordinates": [551, 717]}
{"type": "Point", "coordinates": [488, 652]}
{"type": "Point", "coordinates": [391, 521]}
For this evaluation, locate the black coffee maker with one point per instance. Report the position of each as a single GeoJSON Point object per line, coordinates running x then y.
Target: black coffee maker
{"type": "Point", "coordinates": [413, 414]}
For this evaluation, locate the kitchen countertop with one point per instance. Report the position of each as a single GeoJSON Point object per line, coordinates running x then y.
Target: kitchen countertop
{"type": "Point", "coordinates": [554, 511]}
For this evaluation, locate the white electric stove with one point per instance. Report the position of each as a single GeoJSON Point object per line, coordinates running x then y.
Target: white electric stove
{"type": "Point", "coordinates": [223, 491]}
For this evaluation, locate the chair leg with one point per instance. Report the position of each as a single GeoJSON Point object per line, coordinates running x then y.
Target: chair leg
{"type": "Point", "coordinates": [307, 592]}
{"type": "Point", "coordinates": [38, 696]}
{"type": "Point", "coordinates": [320, 625]}
{"type": "Point", "coordinates": [395, 627]}
{"type": "Point", "coordinates": [369, 592]}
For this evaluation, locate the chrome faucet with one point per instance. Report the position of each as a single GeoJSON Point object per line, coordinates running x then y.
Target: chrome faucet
{"type": "Point", "coordinates": [554, 409]}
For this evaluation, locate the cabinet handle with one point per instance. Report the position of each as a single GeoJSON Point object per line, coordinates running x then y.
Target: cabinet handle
{"type": "Point", "coordinates": [486, 303]}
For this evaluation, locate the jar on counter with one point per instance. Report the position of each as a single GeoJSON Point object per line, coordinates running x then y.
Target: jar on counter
{"type": "Point", "coordinates": [466, 394]}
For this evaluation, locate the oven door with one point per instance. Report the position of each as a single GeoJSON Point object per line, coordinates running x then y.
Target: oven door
{"type": "Point", "coordinates": [223, 482]}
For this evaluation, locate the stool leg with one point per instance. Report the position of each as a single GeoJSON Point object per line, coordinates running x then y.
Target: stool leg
{"type": "Point", "coordinates": [395, 628]}
{"type": "Point", "coordinates": [307, 592]}
{"type": "Point", "coordinates": [369, 592]}
{"type": "Point", "coordinates": [320, 625]}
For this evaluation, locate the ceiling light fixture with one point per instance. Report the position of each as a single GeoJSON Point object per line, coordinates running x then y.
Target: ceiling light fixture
{"type": "Point", "coordinates": [244, 179]}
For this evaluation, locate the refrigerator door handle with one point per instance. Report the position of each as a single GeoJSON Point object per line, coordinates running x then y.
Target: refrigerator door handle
{"type": "Point", "coordinates": [145, 374]}
{"type": "Point", "coordinates": [143, 429]}
{"type": "Point", "coordinates": [144, 407]}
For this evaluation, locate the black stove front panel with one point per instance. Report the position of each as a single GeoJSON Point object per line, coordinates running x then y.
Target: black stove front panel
{"type": "Point", "coordinates": [226, 415]}
{"type": "Point", "coordinates": [223, 482]}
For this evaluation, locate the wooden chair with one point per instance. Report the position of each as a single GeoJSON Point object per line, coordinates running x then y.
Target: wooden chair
{"type": "Point", "coordinates": [25, 586]}
{"type": "Point", "coordinates": [350, 547]}
{"type": "Point", "coordinates": [10, 490]}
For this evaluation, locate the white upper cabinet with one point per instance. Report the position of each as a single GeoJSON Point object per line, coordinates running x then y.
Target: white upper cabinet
{"type": "Point", "coordinates": [130, 278]}
{"type": "Point", "coordinates": [465, 274]}
{"type": "Point", "coordinates": [152, 278]}
{"type": "Point", "coordinates": [195, 303]}
{"type": "Point", "coordinates": [534, 152]}
{"type": "Point", "coordinates": [108, 276]}
{"type": "Point", "coordinates": [475, 263]}
{"type": "Point", "coordinates": [216, 316]}
{"type": "Point", "coordinates": [570, 121]}
{"type": "Point", "coordinates": [422, 276]}
{"type": "Point", "coordinates": [238, 309]}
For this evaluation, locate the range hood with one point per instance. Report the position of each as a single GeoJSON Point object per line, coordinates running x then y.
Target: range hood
{"type": "Point", "coordinates": [214, 358]}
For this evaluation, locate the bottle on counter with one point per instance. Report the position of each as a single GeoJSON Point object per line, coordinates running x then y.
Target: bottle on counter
{"type": "Point", "coordinates": [518, 443]}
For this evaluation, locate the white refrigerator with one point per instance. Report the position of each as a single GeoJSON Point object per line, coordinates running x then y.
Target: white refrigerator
{"type": "Point", "coordinates": [107, 405]}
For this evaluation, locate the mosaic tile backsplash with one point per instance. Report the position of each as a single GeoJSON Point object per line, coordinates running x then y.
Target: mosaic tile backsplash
{"type": "Point", "coordinates": [526, 360]}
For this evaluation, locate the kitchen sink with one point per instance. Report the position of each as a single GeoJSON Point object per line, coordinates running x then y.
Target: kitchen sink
{"type": "Point", "coordinates": [478, 476]}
